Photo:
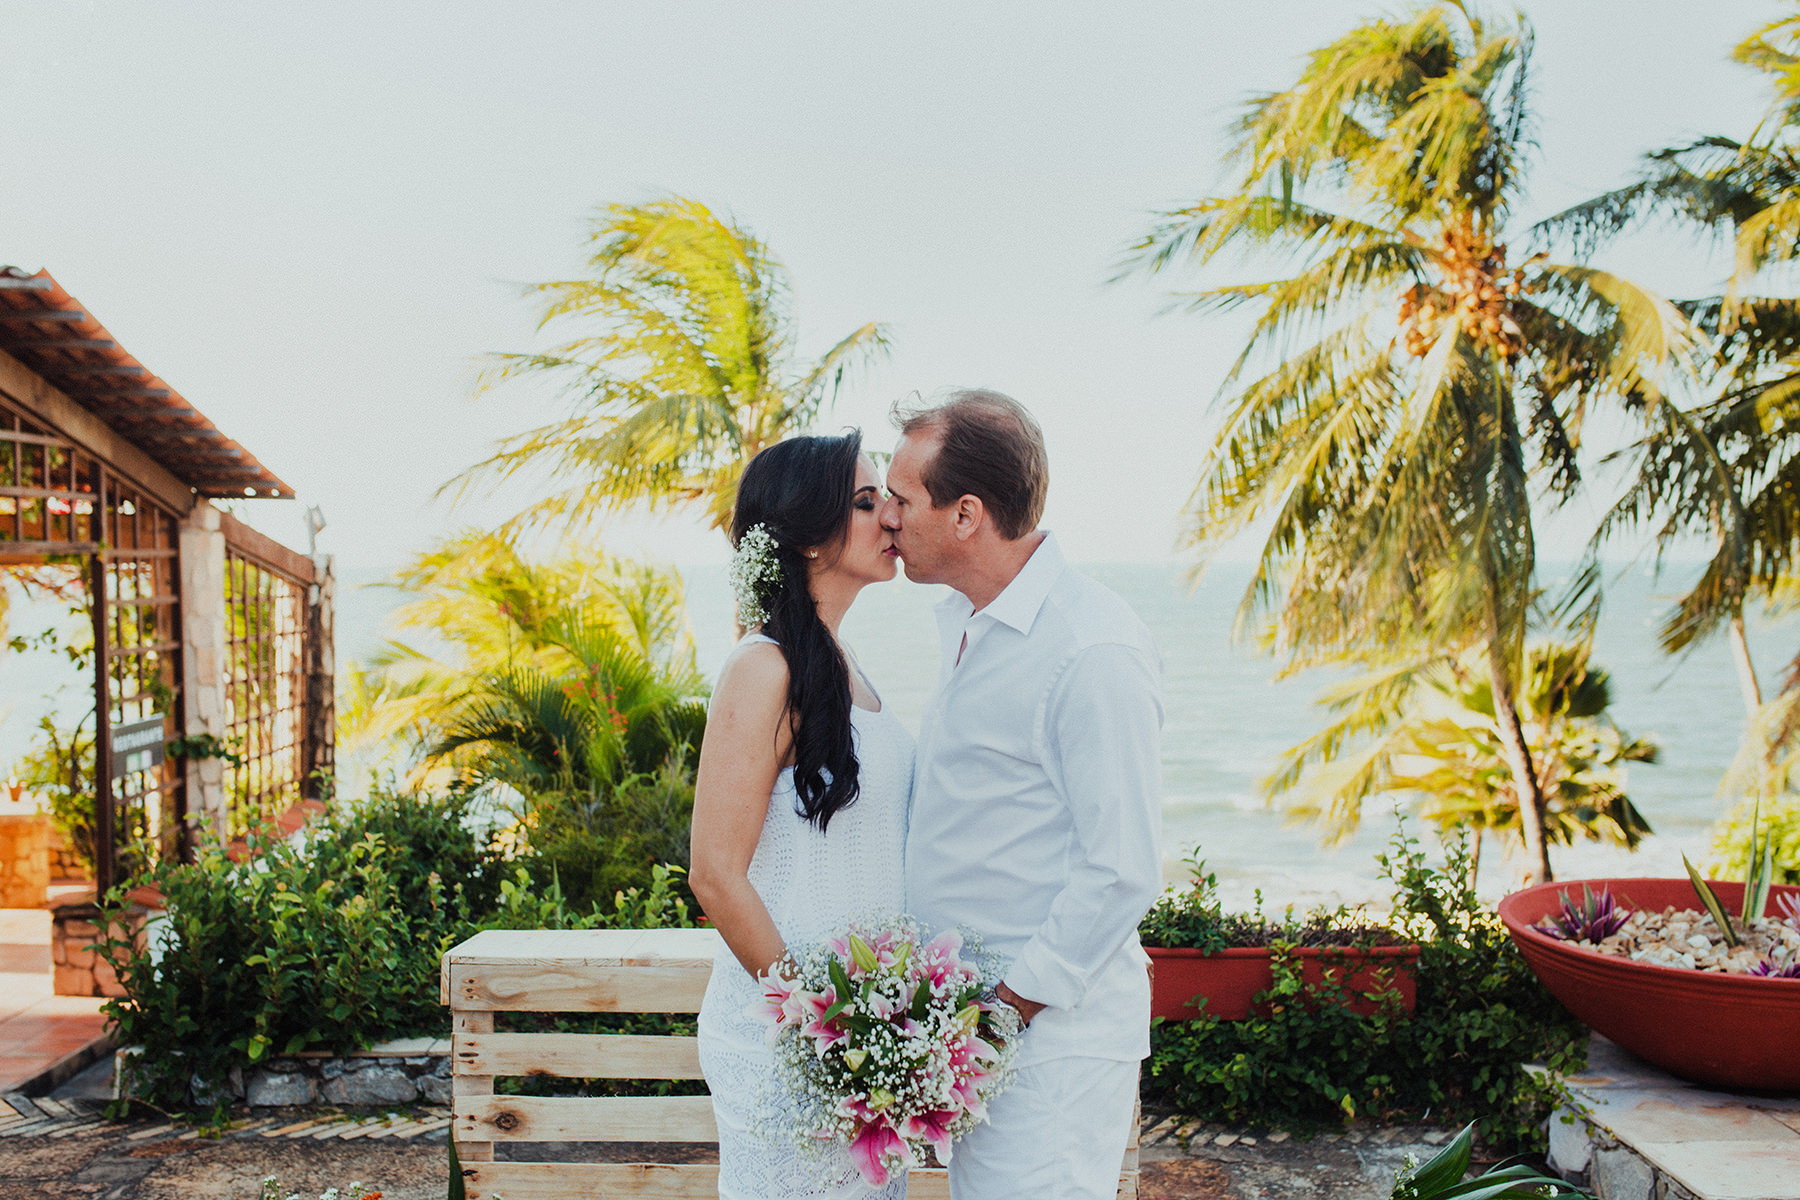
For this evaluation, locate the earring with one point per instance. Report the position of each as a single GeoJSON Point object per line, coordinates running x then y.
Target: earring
{"type": "Point", "coordinates": [812, 554]}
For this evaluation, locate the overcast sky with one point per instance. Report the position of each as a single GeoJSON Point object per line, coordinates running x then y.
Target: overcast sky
{"type": "Point", "coordinates": [312, 219]}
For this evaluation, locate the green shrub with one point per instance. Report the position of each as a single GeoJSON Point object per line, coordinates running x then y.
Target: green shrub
{"type": "Point", "coordinates": [1730, 852]}
{"type": "Point", "coordinates": [1194, 918]}
{"type": "Point", "coordinates": [331, 941]}
{"type": "Point", "coordinates": [1481, 1017]}
{"type": "Point", "coordinates": [268, 957]}
{"type": "Point", "coordinates": [428, 838]}
{"type": "Point", "coordinates": [595, 845]}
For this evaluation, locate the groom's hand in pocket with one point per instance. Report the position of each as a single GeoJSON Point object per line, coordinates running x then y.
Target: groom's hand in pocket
{"type": "Point", "coordinates": [1027, 1008]}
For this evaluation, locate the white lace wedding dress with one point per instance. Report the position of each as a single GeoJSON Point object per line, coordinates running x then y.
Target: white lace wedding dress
{"type": "Point", "coordinates": [813, 884]}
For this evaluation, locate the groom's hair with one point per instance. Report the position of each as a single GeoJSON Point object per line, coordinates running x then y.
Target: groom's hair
{"type": "Point", "coordinates": [988, 447]}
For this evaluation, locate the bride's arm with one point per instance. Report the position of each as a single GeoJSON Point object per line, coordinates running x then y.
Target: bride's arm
{"type": "Point", "coordinates": [747, 740]}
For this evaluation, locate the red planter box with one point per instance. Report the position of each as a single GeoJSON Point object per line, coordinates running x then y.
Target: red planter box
{"type": "Point", "coordinates": [1230, 979]}
{"type": "Point", "coordinates": [1729, 1031]}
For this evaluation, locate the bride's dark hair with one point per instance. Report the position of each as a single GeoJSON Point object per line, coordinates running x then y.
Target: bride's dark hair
{"type": "Point", "coordinates": [800, 491]}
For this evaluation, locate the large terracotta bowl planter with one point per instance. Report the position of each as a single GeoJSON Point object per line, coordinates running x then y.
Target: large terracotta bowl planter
{"type": "Point", "coordinates": [1727, 1031]}
{"type": "Point", "coordinates": [1228, 980]}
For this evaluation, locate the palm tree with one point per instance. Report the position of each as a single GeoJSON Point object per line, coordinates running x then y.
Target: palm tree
{"type": "Point", "coordinates": [578, 731]}
{"type": "Point", "coordinates": [680, 360]}
{"type": "Point", "coordinates": [552, 645]}
{"type": "Point", "coordinates": [1404, 391]}
{"type": "Point", "coordinates": [1728, 470]}
{"type": "Point", "coordinates": [1429, 729]}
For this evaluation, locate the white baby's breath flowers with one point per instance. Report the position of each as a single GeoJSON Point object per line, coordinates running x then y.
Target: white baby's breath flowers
{"type": "Point", "coordinates": [754, 572]}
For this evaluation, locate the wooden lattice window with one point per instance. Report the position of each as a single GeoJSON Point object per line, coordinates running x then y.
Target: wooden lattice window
{"type": "Point", "coordinates": [265, 689]}
{"type": "Point", "coordinates": [46, 491]}
{"type": "Point", "coordinates": [138, 628]}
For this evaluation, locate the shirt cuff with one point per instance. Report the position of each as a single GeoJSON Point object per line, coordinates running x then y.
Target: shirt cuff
{"type": "Point", "coordinates": [1039, 976]}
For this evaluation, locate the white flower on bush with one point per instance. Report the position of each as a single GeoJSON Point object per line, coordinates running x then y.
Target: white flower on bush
{"type": "Point", "coordinates": [271, 1190]}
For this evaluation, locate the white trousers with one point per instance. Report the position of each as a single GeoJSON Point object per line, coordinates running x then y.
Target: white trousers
{"type": "Point", "coordinates": [1058, 1133]}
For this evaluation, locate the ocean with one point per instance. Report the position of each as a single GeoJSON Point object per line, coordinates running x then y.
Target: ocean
{"type": "Point", "coordinates": [1227, 719]}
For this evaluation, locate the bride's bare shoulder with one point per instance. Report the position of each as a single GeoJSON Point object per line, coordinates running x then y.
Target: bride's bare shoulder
{"type": "Point", "coordinates": [754, 668]}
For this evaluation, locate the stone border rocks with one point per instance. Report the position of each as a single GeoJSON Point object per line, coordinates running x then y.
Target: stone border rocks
{"type": "Point", "coordinates": [403, 1071]}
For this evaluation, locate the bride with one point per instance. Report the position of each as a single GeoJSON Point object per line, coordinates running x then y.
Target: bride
{"type": "Point", "coordinates": [805, 777]}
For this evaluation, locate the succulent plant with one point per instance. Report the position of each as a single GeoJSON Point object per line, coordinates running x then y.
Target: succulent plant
{"type": "Point", "coordinates": [1770, 969]}
{"type": "Point", "coordinates": [1788, 904]}
{"type": "Point", "coordinates": [1595, 919]}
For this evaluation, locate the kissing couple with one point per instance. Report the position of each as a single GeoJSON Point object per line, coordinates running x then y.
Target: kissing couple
{"type": "Point", "coordinates": [1027, 812]}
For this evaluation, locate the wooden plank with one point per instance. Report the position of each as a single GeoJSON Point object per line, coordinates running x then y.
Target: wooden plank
{"type": "Point", "coordinates": [554, 985]}
{"type": "Point", "coordinates": [69, 315]}
{"type": "Point", "coordinates": [503, 946]}
{"type": "Point", "coordinates": [598, 1181]}
{"type": "Point", "coordinates": [577, 1055]}
{"type": "Point", "coordinates": [592, 947]}
{"type": "Point", "coordinates": [584, 1119]}
{"type": "Point", "coordinates": [678, 948]}
{"type": "Point", "coordinates": [266, 550]}
{"type": "Point", "coordinates": [928, 1183]}
{"type": "Point", "coordinates": [475, 1087]}
{"type": "Point", "coordinates": [51, 407]}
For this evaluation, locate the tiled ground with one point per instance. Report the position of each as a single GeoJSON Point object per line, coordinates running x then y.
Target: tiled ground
{"type": "Point", "coordinates": [37, 1028]}
{"type": "Point", "coordinates": [1713, 1145]}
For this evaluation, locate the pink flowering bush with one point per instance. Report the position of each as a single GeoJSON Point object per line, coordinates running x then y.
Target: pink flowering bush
{"type": "Point", "coordinates": [885, 1046]}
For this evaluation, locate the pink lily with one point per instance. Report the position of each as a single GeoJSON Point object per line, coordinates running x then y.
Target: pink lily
{"type": "Point", "coordinates": [876, 1151]}
{"type": "Point", "coordinates": [858, 1110]}
{"type": "Point", "coordinates": [933, 1127]}
{"type": "Point", "coordinates": [943, 953]}
{"type": "Point", "coordinates": [972, 1049]}
{"type": "Point", "coordinates": [824, 1034]}
{"type": "Point", "coordinates": [879, 1006]}
{"type": "Point", "coordinates": [778, 989]}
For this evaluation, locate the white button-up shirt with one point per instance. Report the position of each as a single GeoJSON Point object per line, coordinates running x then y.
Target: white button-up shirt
{"type": "Point", "coordinates": [1036, 801]}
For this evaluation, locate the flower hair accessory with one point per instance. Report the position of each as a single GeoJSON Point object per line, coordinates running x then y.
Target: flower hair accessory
{"type": "Point", "coordinates": [754, 574]}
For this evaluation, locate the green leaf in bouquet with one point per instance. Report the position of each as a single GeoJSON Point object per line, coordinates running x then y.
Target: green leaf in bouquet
{"type": "Point", "coordinates": [840, 981]}
{"type": "Point", "coordinates": [1710, 899]}
{"type": "Point", "coordinates": [921, 1001]}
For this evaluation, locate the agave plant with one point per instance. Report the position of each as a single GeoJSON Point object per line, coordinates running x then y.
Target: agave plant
{"type": "Point", "coordinates": [1442, 1178]}
{"type": "Point", "coordinates": [1595, 919]}
{"type": "Point", "coordinates": [1757, 879]}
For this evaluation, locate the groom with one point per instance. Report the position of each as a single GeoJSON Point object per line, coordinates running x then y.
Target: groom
{"type": "Point", "coordinates": [1035, 800]}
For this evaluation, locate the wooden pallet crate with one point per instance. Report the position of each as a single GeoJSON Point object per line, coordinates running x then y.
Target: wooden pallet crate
{"type": "Point", "coordinates": [592, 971]}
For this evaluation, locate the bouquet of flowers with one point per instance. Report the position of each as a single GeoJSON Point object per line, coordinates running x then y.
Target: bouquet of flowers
{"type": "Point", "coordinates": [885, 1045]}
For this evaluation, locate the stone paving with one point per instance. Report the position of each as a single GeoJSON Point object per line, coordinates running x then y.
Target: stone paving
{"type": "Point", "coordinates": [61, 1146]}
{"type": "Point", "coordinates": [1635, 1132]}
{"type": "Point", "coordinates": [1189, 1161]}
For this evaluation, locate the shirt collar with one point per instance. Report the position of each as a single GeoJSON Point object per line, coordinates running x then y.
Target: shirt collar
{"type": "Point", "coordinates": [1019, 602]}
